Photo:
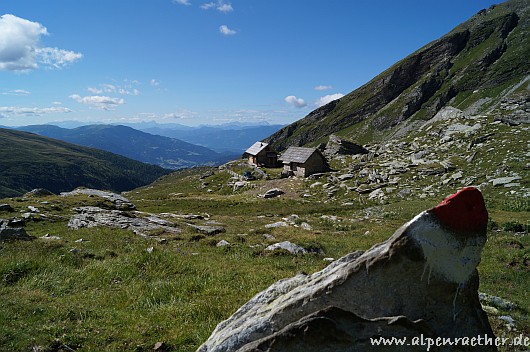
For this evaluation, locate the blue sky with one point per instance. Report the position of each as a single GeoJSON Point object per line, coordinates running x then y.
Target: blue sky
{"type": "Point", "coordinates": [202, 62]}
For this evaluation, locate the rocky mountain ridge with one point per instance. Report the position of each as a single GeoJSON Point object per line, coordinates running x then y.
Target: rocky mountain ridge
{"type": "Point", "coordinates": [474, 67]}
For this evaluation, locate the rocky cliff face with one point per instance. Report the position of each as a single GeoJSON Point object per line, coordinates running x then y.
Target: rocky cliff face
{"type": "Point", "coordinates": [473, 67]}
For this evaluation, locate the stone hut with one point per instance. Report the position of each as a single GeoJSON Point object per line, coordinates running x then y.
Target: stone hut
{"type": "Point", "coordinates": [303, 162]}
{"type": "Point", "coordinates": [261, 154]}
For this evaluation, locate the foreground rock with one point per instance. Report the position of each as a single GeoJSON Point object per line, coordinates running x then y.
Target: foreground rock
{"type": "Point", "coordinates": [139, 223]}
{"type": "Point", "coordinates": [422, 280]}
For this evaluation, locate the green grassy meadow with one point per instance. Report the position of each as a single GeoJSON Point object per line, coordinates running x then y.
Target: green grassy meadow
{"type": "Point", "coordinates": [110, 293]}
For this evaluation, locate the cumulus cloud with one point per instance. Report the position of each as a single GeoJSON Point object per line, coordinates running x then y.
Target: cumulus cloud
{"type": "Point", "coordinates": [226, 31]}
{"type": "Point", "coordinates": [22, 111]}
{"type": "Point", "coordinates": [327, 99]}
{"type": "Point", "coordinates": [322, 87]}
{"type": "Point", "coordinates": [20, 46]}
{"type": "Point", "coordinates": [296, 102]}
{"type": "Point", "coordinates": [218, 5]}
{"type": "Point", "coordinates": [98, 101]}
{"type": "Point", "coordinates": [154, 82]}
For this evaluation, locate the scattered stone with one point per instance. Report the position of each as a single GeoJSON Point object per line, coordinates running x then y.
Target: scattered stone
{"type": "Point", "coordinates": [33, 209]}
{"type": "Point", "coordinates": [507, 319]}
{"type": "Point", "coordinates": [277, 224]}
{"type": "Point", "coordinates": [50, 237]}
{"type": "Point", "coordinates": [345, 177]}
{"type": "Point", "coordinates": [208, 230]}
{"type": "Point", "coordinates": [240, 184]}
{"type": "Point", "coordinates": [222, 243]}
{"type": "Point", "coordinates": [288, 246]}
{"type": "Point", "coordinates": [119, 201]}
{"type": "Point", "coordinates": [6, 208]}
{"type": "Point", "coordinates": [8, 233]}
{"type": "Point", "coordinates": [306, 226]}
{"type": "Point", "coordinates": [150, 250]}
{"type": "Point", "coordinates": [272, 193]}
{"type": "Point", "coordinates": [81, 240]}
{"type": "Point", "coordinates": [364, 189]}
{"type": "Point", "coordinates": [497, 302]}
{"type": "Point", "coordinates": [316, 184]}
{"type": "Point", "coordinates": [422, 280]}
{"type": "Point", "coordinates": [504, 180]}
{"type": "Point", "coordinates": [161, 347]}
{"type": "Point", "coordinates": [269, 237]}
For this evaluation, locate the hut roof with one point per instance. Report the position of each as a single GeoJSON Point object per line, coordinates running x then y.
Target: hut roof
{"type": "Point", "coordinates": [297, 154]}
{"type": "Point", "coordinates": [256, 148]}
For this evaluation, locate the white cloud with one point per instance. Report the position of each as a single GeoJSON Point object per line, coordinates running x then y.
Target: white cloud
{"type": "Point", "coordinates": [219, 6]}
{"type": "Point", "coordinates": [57, 58]}
{"type": "Point", "coordinates": [98, 101]}
{"type": "Point", "coordinates": [226, 31]}
{"type": "Point", "coordinates": [20, 46]}
{"type": "Point", "coordinates": [18, 92]}
{"type": "Point", "coordinates": [111, 88]}
{"type": "Point", "coordinates": [322, 87]}
{"type": "Point", "coordinates": [209, 5]}
{"type": "Point", "coordinates": [327, 99]}
{"type": "Point", "coordinates": [296, 102]}
{"type": "Point", "coordinates": [154, 82]}
{"type": "Point", "coordinates": [21, 111]}
{"type": "Point", "coordinates": [182, 2]}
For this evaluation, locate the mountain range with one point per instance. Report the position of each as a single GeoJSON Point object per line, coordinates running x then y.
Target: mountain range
{"type": "Point", "coordinates": [167, 152]}
{"type": "Point", "coordinates": [476, 67]}
{"type": "Point", "coordinates": [29, 161]}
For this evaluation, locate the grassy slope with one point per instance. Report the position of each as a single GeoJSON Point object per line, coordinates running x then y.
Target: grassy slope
{"type": "Point", "coordinates": [113, 295]}
{"type": "Point", "coordinates": [29, 161]}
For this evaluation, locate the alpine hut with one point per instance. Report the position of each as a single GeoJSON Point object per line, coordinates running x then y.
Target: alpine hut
{"type": "Point", "coordinates": [261, 154]}
{"type": "Point", "coordinates": [299, 161]}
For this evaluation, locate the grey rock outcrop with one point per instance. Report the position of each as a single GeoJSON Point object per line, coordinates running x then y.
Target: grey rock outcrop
{"type": "Point", "coordinates": [422, 280]}
{"type": "Point", "coordinates": [145, 226]}
{"type": "Point", "coordinates": [39, 192]}
{"type": "Point", "coordinates": [119, 201]}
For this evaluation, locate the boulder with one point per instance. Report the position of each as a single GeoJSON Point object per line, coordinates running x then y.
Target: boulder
{"type": "Point", "coordinates": [6, 208]}
{"type": "Point", "coordinates": [271, 193]}
{"type": "Point", "coordinates": [421, 281]}
{"type": "Point", "coordinates": [288, 246]}
{"type": "Point", "coordinates": [340, 146]}
{"type": "Point", "coordinates": [208, 230]}
{"type": "Point", "coordinates": [8, 233]}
